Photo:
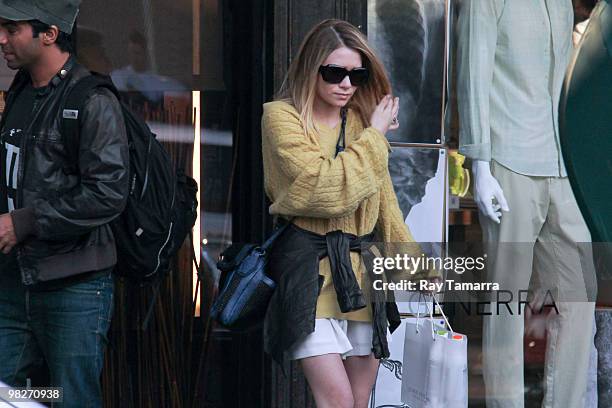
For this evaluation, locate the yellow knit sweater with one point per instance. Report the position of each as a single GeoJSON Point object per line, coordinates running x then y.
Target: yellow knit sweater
{"type": "Point", "coordinates": [352, 192]}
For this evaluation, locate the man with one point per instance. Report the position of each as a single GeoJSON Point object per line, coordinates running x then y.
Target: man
{"type": "Point", "coordinates": [138, 76]}
{"type": "Point", "coordinates": [512, 59]}
{"type": "Point", "coordinates": [56, 203]}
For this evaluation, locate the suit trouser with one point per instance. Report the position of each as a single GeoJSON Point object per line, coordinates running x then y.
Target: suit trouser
{"type": "Point", "coordinates": [545, 231]}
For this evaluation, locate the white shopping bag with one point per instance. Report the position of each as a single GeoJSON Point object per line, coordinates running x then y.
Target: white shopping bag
{"type": "Point", "coordinates": [387, 391]}
{"type": "Point", "coordinates": [434, 366]}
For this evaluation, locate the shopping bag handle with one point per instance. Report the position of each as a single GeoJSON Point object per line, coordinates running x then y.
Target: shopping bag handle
{"type": "Point", "coordinates": [422, 295]}
{"type": "Point", "coordinates": [442, 312]}
{"type": "Point", "coordinates": [433, 335]}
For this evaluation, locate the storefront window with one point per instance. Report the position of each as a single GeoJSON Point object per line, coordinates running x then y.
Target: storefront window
{"type": "Point", "coordinates": [198, 72]}
{"type": "Point", "coordinates": [166, 58]}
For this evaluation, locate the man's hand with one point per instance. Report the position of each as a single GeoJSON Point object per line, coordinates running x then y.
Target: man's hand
{"type": "Point", "coordinates": [487, 189]}
{"type": "Point", "coordinates": [8, 239]}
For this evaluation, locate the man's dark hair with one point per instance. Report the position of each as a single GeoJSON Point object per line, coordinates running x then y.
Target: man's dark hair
{"type": "Point", "coordinates": [64, 41]}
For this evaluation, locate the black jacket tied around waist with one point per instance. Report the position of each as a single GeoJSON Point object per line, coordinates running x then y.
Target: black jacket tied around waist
{"type": "Point", "coordinates": [294, 265]}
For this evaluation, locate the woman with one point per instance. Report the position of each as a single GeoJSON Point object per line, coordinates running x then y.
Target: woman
{"type": "Point", "coordinates": [334, 186]}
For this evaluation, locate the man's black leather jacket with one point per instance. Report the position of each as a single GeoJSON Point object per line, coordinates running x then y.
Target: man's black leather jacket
{"type": "Point", "coordinates": [64, 204]}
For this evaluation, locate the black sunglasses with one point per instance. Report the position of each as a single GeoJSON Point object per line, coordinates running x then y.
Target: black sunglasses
{"type": "Point", "coordinates": [333, 74]}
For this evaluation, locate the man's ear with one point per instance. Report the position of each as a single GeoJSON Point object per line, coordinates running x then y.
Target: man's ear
{"type": "Point", "coordinates": [49, 37]}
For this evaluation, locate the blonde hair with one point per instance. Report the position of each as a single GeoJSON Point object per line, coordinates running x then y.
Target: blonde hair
{"type": "Point", "coordinates": [299, 85]}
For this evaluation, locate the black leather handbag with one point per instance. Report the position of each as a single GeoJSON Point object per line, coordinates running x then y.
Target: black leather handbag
{"type": "Point", "coordinates": [245, 288]}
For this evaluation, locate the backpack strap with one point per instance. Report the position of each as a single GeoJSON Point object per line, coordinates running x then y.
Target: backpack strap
{"type": "Point", "coordinates": [74, 105]}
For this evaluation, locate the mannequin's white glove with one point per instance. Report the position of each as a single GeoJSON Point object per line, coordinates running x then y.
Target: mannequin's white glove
{"type": "Point", "coordinates": [488, 195]}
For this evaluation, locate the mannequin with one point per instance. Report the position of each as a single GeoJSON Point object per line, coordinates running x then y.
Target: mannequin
{"type": "Point", "coordinates": [485, 188]}
{"type": "Point", "coordinates": [512, 58]}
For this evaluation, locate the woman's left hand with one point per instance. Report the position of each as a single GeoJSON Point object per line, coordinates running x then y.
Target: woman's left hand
{"type": "Point", "coordinates": [395, 122]}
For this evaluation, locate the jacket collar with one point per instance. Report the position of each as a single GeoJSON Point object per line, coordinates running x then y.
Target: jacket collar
{"type": "Point", "coordinates": [64, 73]}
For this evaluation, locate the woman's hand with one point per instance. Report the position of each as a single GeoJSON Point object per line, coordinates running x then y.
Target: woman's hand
{"type": "Point", "coordinates": [384, 114]}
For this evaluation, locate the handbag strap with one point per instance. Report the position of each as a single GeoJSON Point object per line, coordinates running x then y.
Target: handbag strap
{"type": "Point", "coordinates": [341, 143]}
{"type": "Point", "coordinates": [227, 265]}
{"type": "Point", "coordinates": [266, 245]}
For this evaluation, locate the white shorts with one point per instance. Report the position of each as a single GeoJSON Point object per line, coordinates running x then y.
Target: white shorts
{"type": "Point", "coordinates": [332, 336]}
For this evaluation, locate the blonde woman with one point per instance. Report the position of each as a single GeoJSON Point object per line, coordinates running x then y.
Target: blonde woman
{"type": "Point", "coordinates": [325, 166]}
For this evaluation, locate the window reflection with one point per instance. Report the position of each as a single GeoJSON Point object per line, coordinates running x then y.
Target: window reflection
{"type": "Point", "coordinates": [166, 59]}
{"type": "Point", "coordinates": [409, 36]}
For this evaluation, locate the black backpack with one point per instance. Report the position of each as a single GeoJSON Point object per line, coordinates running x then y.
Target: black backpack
{"type": "Point", "coordinates": [162, 204]}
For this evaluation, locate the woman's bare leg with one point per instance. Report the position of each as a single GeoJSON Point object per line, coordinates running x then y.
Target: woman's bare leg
{"type": "Point", "coordinates": [328, 380]}
{"type": "Point", "coordinates": [361, 372]}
